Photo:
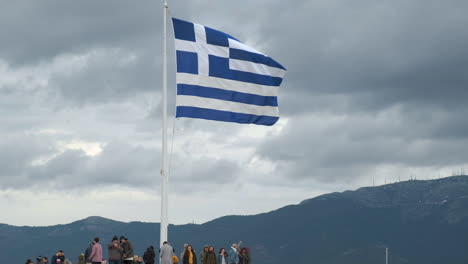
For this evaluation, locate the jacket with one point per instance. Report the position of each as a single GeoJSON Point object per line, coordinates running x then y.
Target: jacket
{"type": "Point", "coordinates": [233, 258]}
{"type": "Point", "coordinates": [244, 259]}
{"type": "Point", "coordinates": [187, 256]}
{"type": "Point", "coordinates": [149, 256]}
{"type": "Point", "coordinates": [96, 253]}
{"type": "Point", "coordinates": [55, 258]}
{"type": "Point", "coordinates": [127, 249]}
{"type": "Point", "coordinates": [88, 252]}
{"type": "Point", "coordinates": [113, 252]}
{"type": "Point", "coordinates": [210, 258]}
{"type": "Point", "coordinates": [220, 258]}
{"type": "Point", "coordinates": [165, 254]}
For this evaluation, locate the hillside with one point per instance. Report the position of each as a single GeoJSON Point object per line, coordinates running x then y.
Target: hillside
{"type": "Point", "coordinates": [419, 221]}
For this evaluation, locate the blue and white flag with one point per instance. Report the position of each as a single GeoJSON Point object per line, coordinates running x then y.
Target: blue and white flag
{"type": "Point", "coordinates": [220, 78]}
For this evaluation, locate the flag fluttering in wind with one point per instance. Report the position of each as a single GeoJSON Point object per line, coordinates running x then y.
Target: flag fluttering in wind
{"type": "Point", "coordinates": [220, 78]}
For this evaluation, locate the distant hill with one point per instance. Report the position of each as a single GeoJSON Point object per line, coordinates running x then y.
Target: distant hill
{"type": "Point", "coordinates": [419, 221]}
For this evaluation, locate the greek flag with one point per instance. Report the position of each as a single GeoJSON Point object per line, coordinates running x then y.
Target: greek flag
{"type": "Point", "coordinates": [220, 78]}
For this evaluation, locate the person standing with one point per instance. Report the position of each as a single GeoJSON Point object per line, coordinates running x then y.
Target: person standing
{"type": "Point", "coordinates": [96, 252]}
{"type": "Point", "coordinates": [88, 252]}
{"type": "Point", "coordinates": [127, 252]}
{"type": "Point", "coordinates": [149, 255]}
{"type": "Point", "coordinates": [233, 257]}
{"type": "Point", "coordinates": [203, 253]}
{"type": "Point", "coordinates": [165, 253]}
{"type": "Point", "coordinates": [58, 258]}
{"type": "Point", "coordinates": [244, 257]}
{"type": "Point", "coordinates": [189, 256]}
{"type": "Point", "coordinates": [81, 259]}
{"type": "Point", "coordinates": [222, 256]}
{"type": "Point", "coordinates": [210, 256]}
{"type": "Point", "coordinates": [114, 251]}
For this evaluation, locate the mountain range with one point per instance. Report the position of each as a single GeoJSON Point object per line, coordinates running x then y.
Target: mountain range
{"type": "Point", "coordinates": [418, 221]}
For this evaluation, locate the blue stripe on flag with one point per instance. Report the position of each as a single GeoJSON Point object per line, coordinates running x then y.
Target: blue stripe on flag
{"type": "Point", "coordinates": [187, 62]}
{"type": "Point", "coordinates": [183, 30]}
{"type": "Point", "coordinates": [217, 115]}
{"type": "Point", "coordinates": [216, 93]}
{"type": "Point", "coordinates": [216, 37]}
{"type": "Point", "coordinates": [219, 67]}
{"type": "Point", "coordinates": [253, 57]}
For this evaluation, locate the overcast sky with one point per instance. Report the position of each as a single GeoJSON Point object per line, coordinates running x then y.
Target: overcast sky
{"type": "Point", "coordinates": [374, 90]}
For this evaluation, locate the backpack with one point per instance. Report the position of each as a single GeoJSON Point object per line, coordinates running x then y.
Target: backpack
{"type": "Point", "coordinates": [175, 259]}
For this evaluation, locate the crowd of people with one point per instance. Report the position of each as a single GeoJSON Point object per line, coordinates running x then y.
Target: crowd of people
{"type": "Point", "coordinates": [120, 251]}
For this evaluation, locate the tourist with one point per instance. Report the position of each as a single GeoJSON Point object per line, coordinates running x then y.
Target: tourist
{"type": "Point", "coordinates": [127, 252]}
{"type": "Point", "coordinates": [114, 251]}
{"type": "Point", "coordinates": [165, 253]}
{"type": "Point", "coordinates": [149, 255]}
{"type": "Point", "coordinates": [44, 260]}
{"type": "Point", "coordinates": [210, 256]}
{"type": "Point", "coordinates": [88, 252]}
{"type": "Point", "coordinates": [244, 257]}
{"type": "Point", "coordinates": [29, 261]}
{"type": "Point", "coordinates": [183, 252]}
{"type": "Point", "coordinates": [96, 252]}
{"type": "Point", "coordinates": [58, 258]}
{"type": "Point", "coordinates": [233, 257]}
{"type": "Point", "coordinates": [81, 259]}
{"type": "Point", "coordinates": [222, 256]}
{"type": "Point", "coordinates": [189, 256]}
{"type": "Point", "coordinates": [203, 253]}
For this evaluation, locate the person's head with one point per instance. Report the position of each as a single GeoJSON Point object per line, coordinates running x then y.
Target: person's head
{"type": "Point", "coordinates": [140, 259]}
{"type": "Point", "coordinates": [165, 243]}
{"type": "Point", "coordinates": [44, 259]}
{"type": "Point", "coordinates": [205, 248]}
{"type": "Point", "coordinates": [96, 239]}
{"type": "Point", "coordinates": [115, 239]}
{"type": "Point", "coordinates": [189, 248]}
{"type": "Point", "coordinates": [243, 251]}
{"type": "Point", "coordinates": [29, 261]}
{"type": "Point", "coordinates": [234, 246]}
{"type": "Point", "coordinates": [222, 251]}
{"type": "Point", "coordinates": [123, 239]}
{"type": "Point", "coordinates": [135, 258]}
{"type": "Point", "coordinates": [185, 246]}
{"type": "Point", "coordinates": [81, 257]}
{"type": "Point", "coordinates": [211, 249]}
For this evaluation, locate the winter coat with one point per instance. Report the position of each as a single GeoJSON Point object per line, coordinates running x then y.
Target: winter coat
{"type": "Point", "coordinates": [202, 256]}
{"type": "Point", "coordinates": [55, 258]}
{"type": "Point", "coordinates": [87, 253]}
{"type": "Point", "coordinates": [210, 258]}
{"type": "Point", "coordinates": [244, 259]}
{"type": "Point", "coordinates": [149, 256]}
{"type": "Point", "coordinates": [187, 256]}
{"type": "Point", "coordinates": [96, 253]}
{"type": "Point", "coordinates": [166, 254]}
{"type": "Point", "coordinates": [220, 258]}
{"type": "Point", "coordinates": [113, 252]}
{"type": "Point", "coordinates": [233, 258]}
{"type": "Point", "coordinates": [127, 249]}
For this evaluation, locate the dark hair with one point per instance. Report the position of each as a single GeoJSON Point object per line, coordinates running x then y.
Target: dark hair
{"type": "Point", "coordinates": [96, 239]}
{"type": "Point", "coordinates": [45, 258]}
{"type": "Point", "coordinates": [186, 249]}
{"type": "Point", "coordinates": [165, 242]}
{"type": "Point", "coordinates": [225, 252]}
{"type": "Point", "coordinates": [29, 261]}
{"type": "Point", "coordinates": [115, 238]}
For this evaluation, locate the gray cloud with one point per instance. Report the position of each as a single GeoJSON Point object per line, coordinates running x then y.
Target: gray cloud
{"type": "Point", "coordinates": [370, 85]}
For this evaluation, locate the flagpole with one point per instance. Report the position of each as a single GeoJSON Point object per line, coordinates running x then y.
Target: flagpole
{"type": "Point", "coordinates": [164, 176]}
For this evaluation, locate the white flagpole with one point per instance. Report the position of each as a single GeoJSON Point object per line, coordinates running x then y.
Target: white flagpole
{"type": "Point", "coordinates": [164, 176]}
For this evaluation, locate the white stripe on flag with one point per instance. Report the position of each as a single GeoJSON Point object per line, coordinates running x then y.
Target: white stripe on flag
{"type": "Point", "coordinates": [248, 66]}
{"type": "Point", "coordinates": [239, 45]}
{"type": "Point", "coordinates": [191, 46]}
{"type": "Point", "coordinates": [225, 84]}
{"type": "Point", "coordinates": [215, 104]}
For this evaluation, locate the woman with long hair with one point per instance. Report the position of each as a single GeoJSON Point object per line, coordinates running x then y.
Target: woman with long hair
{"type": "Point", "coordinates": [244, 257]}
{"type": "Point", "coordinates": [222, 256]}
{"type": "Point", "coordinates": [189, 256]}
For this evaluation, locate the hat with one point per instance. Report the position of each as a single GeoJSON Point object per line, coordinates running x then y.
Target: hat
{"type": "Point", "coordinates": [123, 237]}
{"type": "Point", "coordinates": [115, 238]}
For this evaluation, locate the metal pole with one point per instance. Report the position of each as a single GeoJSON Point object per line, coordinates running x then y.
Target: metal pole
{"type": "Point", "coordinates": [164, 176]}
{"type": "Point", "coordinates": [386, 255]}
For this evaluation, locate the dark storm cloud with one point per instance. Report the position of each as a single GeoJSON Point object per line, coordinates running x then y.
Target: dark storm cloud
{"type": "Point", "coordinates": [369, 83]}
